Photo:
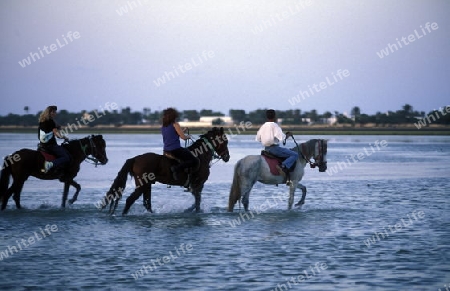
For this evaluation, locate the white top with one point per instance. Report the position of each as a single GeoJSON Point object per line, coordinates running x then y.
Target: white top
{"type": "Point", "coordinates": [269, 133]}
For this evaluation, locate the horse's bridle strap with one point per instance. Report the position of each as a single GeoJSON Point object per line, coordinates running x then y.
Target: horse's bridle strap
{"type": "Point", "coordinates": [93, 148]}
{"type": "Point", "coordinates": [311, 164]}
{"type": "Point", "coordinates": [208, 143]}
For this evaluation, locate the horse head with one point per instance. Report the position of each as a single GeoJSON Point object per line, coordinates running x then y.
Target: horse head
{"type": "Point", "coordinates": [316, 149]}
{"type": "Point", "coordinates": [95, 146]}
{"type": "Point", "coordinates": [218, 139]}
{"type": "Point", "coordinates": [320, 154]}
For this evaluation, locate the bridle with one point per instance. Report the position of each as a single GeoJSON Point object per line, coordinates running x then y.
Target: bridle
{"type": "Point", "coordinates": [94, 151]}
{"type": "Point", "coordinates": [320, 148]}
{"type": "Point", "coordinates": [215, 155]}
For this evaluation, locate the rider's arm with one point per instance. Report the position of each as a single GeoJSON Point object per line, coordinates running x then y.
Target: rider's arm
{"type": "Point", "coordinates": [58, 134]}
{"type": "Point", "coordinates": [180, 132]}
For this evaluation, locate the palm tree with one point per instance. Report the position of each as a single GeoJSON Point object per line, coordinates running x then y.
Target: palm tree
{"type": "Point", "coordinates": [356, 112]}
{"type": "Point", "coordinates": [407, 112]}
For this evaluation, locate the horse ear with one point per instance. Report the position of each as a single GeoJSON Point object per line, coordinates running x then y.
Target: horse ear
{"type": "Point", "coordinates": [221, 130]}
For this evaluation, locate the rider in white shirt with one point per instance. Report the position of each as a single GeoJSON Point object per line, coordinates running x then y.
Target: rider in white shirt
{"type": "Point", "coordinates": [270, 135]}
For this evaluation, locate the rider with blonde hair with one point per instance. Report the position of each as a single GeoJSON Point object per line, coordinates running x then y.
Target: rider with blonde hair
{"type": "Point", "coordinates": [46, 134]}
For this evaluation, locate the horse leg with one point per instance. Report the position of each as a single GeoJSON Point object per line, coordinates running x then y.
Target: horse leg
{"type": "Point", "coordinates": [5, 198]}
{"type": "Point", "coordinates": [198, 200]}
{"type": "Point", "coordinates": [246, 199]}
{"type": "Point", "coordinates": [65, 194]}
{"type": "Point", "coordinates": [147, 198]}
{"type": "Point", "coordinates": [197, 192]}
{"type": "Point", "coordinates": [302, 200]}
{"type": "Point", "coordinates": [245, 189]}
{"type": "Point", "coordinates": [291, 195]}
{"type": "Point", "coordinates": [130, 200]}
{"type": "Point", "coordinates": [75, 196]}
{"type": "Point", "coordinates": [17, 190]}
{"type": "Point", "coordinates": [12, 190]}
{"type": "Point", "coordinates": [113, 206]}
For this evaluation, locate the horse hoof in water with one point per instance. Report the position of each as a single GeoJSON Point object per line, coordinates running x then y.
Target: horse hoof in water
{"type": "Point", "coordinates": [299, 204]}
{"type": "Point", "coordinates": [193, 209]}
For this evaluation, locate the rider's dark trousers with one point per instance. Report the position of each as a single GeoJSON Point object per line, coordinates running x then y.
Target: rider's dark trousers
{"type": "Point", "coordinates": [62, 157]}
{"type": "Point", "coordinates": [188, 160]}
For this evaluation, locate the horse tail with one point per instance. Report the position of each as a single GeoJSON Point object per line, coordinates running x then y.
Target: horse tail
{"type": "Point", "coordinates": [4, 178]}
{"type": "Point", "coordinates": [235, 191]}
{"type": "Point", "coordinates": [118, 186]}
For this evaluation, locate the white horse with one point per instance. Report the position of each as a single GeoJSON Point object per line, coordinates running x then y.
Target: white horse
{"type": "Point", "coordinates": [254, 168]}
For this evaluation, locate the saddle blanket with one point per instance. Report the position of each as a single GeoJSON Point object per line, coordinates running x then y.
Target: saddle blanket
{"type": "Point", "coordinates": [273, 163]}
{"type": "Point", "coordinates": [48, 157]}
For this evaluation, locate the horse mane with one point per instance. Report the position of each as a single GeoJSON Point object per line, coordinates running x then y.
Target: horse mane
{"type": "Point", "coordinates": [200, 138]}
{"type": "Point", "coordinates": [70, 143]}
{"type": "Point", "coordinates": [310, 146]}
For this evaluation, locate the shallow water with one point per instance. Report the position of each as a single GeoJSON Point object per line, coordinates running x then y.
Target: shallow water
{"type": "Point", "coordinates": [377, 222]}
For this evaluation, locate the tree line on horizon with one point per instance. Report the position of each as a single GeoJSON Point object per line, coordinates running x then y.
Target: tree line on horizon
{"type": "Point", "coordinates": [125, 116]}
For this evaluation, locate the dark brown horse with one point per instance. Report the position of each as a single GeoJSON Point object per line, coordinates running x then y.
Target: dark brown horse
{"type": "Point", "coordinates": [26, 162]}
{"type": "Point", "coordinates": [149, 168]}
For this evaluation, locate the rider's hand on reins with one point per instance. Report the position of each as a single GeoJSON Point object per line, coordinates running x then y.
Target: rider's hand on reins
{"type": "Point", "coordinates": [287, 135]}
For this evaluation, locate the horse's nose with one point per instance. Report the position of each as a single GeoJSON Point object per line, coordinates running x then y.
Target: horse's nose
{"type": "Point", "coordinates": [226, 157]}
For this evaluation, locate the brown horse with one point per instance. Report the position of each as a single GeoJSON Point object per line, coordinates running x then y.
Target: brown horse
{"type": "Point", "coordinates": [27, 162]}
{"type": "Point", "coordinates": [149, 168]}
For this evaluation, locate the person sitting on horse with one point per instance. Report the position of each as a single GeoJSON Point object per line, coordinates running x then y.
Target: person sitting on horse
{"type": "Point", "coordinates": [270, 134]}
{"type": "Point", "coordinates": [172, 132]}
{"type": "Point", "coordinates": [46, 134]}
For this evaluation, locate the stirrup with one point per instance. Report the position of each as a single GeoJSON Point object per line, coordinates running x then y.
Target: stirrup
{"type": "Point", "coordinates": [288, 180]}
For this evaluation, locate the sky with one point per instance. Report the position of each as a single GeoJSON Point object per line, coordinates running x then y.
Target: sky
{"type": "Point", "coordinates": [224, 54]}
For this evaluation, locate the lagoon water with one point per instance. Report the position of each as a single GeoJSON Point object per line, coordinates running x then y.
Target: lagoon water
{"type": "Point", "coordinates": [376, 222]}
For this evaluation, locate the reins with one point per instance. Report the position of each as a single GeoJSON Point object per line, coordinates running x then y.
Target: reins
{"type": "Point", "coordinates": [87, 158]}
{"type": "Point", "coordinates": [311, 164]}
{"type": "Point", "coordinates": [214, 155]}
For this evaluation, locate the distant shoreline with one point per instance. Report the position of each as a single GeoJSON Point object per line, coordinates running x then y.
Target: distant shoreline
{"type": "Point", "coordinates": [296, 130]}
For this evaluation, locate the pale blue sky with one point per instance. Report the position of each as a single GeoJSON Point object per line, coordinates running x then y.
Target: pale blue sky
{"type": "Point", "coordinates": [223, 55]}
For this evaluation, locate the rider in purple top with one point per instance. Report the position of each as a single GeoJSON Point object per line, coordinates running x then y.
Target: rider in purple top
{"type": "Point", "coordinates": [172, 132]}
{"type": "Point", "coordinates": [171, 138]}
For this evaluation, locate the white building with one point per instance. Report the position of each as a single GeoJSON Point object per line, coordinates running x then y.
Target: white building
{"type": "Point", "coordinates": [207, 121]}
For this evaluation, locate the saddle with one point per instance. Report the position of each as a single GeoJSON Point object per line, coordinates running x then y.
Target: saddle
{"type": "Point", "coordinates": [48, 157]}
{"type": "Point", "coordinates": [170, 156]}
{"type": "Point", "coordinates": [189, 171]}
{"type": "Point", "coordinates": [274, 162]}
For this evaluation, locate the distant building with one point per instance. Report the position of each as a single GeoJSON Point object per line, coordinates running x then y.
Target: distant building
{"type": "Point", "coordinates": [207, 121]}
{"type": "Point", "coordinates": [227, 120]}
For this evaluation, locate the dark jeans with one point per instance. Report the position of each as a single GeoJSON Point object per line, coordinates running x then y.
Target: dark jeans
{"type": "Point", "coordinates": [291, 156]}
{"type": "Point", "coordinates": [62, 157]}
{"type": "Point", "coordinates": [186, 157]}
